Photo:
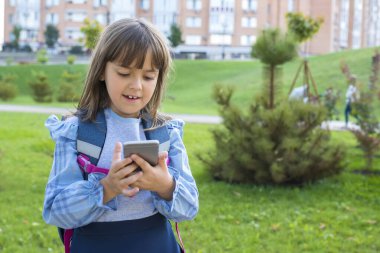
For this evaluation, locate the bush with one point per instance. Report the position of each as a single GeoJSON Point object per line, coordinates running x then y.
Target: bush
{"type": "Point", "coordinates": [284, 145]}
{"type": "Point", "coordinates": [71, 59]}
{"type": "Point", "coordinates": [69, 87]}
{"type": "Point", "coordinates": [41, 90]}
{"type": "Point", "coordinates": [42, 56]}
{"type": "Point", "coordinates": [8, 89]}
{"type": "Point", "coordinates": [77, 50]}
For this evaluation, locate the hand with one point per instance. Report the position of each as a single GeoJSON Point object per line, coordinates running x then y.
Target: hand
{"type": "Point", "coordinates": [119, 178]}
{"type": "Point", "coordinates": [157, 178]}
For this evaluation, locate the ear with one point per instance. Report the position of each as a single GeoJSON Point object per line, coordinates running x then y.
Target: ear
{"type": "Point", "coordinates": [101, 78]}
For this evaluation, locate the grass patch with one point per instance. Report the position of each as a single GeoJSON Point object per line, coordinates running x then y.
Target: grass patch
{"type": "Point", "coordinates": [190, 88]}
{"type": "Point", "coordinates": [339, 214]}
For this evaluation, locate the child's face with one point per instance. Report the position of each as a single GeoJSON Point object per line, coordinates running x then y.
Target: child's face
{"type": "Point", "coordinates": [130, 89]}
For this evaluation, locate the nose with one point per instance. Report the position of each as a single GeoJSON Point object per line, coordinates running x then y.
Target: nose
{"type": "Point", "coordinates": [136, 82]}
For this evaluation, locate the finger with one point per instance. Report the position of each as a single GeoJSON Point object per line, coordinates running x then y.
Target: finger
{"type": "Point", "coordinates": [122, 173]}
{"type": "Point", "coordinates": [140, 162]}
{"type": "Point", "coordinates": [128, 181]}
{"type": "Point", "coordinates": [118, 165]}
{"type": "Point", "coordinates": [117, 152]}
{"type": "Point", "coordinates": [130, 192]}
{"type": "Point", "coordinates": [162, 157]}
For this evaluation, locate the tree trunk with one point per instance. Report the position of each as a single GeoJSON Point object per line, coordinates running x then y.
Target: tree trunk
{"type": "Point", "coordinates": [272, 69]}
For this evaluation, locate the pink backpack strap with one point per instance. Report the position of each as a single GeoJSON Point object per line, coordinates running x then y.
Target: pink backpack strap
{"type": "Point", "coordinates": [67, 239]}
{"type": "Point", "coordinates": [179, 238]}
{"type": "Point", "coordinates": [87, 167]}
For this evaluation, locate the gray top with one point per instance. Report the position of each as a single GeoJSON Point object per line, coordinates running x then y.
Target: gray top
{"type": "Point", "coordinates": [122, 130]}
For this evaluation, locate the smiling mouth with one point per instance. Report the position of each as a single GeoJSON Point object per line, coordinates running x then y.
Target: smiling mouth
{"type": "Point", "coordinates": [131, 97]}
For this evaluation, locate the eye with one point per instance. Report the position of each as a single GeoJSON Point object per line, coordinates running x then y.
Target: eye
{"type": "Point", "coordinates": [149, 78]}
{"type": "Point", "coordinates": [123, 74]}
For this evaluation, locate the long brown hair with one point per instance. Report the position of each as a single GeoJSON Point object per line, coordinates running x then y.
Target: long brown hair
{"type": "Point", "coordinates": [126, 42]}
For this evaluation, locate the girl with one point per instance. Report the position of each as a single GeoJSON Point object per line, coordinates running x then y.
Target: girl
{"type": "Point", "coordinates": [125, 210]}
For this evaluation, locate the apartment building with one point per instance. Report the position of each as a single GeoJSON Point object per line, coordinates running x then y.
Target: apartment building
{"type": "Point", "coordinates": [210, 28]}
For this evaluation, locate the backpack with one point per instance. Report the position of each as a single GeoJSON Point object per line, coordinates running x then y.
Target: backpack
{"type": "Point", "coordinates": [90, 141]}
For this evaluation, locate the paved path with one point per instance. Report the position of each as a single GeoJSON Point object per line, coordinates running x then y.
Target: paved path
{"type": "Point", "coordinates": [205, 119]}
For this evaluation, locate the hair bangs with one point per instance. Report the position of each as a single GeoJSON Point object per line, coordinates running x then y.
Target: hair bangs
{"type": "Point", "coordinates": [131, 48]}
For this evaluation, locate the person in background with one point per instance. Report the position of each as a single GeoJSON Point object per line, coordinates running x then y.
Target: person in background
{"type": "Point", "coordinates": [300, 93]}
{"type": "Point", "coordinates": [351, 94]}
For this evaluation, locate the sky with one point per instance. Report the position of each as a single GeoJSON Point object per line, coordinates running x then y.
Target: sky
{"type": "Point", "coordinates": [1, 21]}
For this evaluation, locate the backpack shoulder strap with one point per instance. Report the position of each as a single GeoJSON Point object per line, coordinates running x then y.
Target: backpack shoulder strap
{"type": "Point", "coordinates": [91, 137]}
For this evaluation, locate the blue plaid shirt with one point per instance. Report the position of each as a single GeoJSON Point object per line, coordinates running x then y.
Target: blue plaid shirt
{"type": "Point", "coordinates": [72, 202]}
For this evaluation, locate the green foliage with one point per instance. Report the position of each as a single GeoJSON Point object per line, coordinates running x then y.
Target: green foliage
{"type": "Point", "coordinates": [364, 110]}
{"type": "Point", "coordinates": [175, 37]}
{"type": "Point", "coordinates": [302, 27]}
{"type": "Point", "coordinates": [284, 145]}
{"type": "Point", "coordinates": [41, 90]}
{"type": "Point", "coordinates": [70, 86]}
{"type": "Point", "coordinates": [42, 56]}
{"type": "Point", "coordinates": [91, 31]}
{"type": "Point", "coordinates": [8, 89]}
{"type": "Point", "coordinates": [339, 214]}
{"type": "Point", "coordinates": [330, 99]}
{"type": "Point", "coordinates": [71, 59]}
{"type": "Point", "coordinates": [16, 36]}
{"type": "Point", "coordinates": [274, 48]}
{"type": "Point", "coordinates": [51, 35]}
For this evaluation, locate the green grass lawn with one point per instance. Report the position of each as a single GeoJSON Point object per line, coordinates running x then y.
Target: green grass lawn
{"type": "Point", "coordinates": [190, 88]}
{"type": "Point", "coordinates": [339, 214]}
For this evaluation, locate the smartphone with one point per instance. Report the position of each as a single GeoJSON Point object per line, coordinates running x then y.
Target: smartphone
{"type": "Point", "coordinates": [148, 150]}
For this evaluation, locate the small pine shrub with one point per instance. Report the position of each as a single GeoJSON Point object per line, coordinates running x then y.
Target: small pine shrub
{"type": "Point", "coordinates": [71, 59]}
{"type": "Point", "coordinates": [8, 90]}
{"type": "Point", "coordinates": [42, 56]}
{"type": "Point", "coordinates": [68, 90]}
{"type": "Point", "coordinates": [283, 145]}
{"type": "Point", "coordinates": [41, 89]}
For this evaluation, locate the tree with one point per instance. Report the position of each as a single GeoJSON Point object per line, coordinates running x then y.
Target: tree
{"type": "Point", "coordinates": [16, 33]}
{"type": "Point", "coordinates": [42, 57]}
{"type": "Point", "coordinates": [41, 89]}
{"type": "Point", "coordinates": [273, 48]}
{"type": "Point", "coordinates": [284, 145]}
{"type": "Point", "coordinates": [175, 35]}
{"type": "Point", "coordinates": [51, 35]}
{"type": "Point", "coordinates": [302, 27]}
{"type": "Point", "coordinates": [91, 31]}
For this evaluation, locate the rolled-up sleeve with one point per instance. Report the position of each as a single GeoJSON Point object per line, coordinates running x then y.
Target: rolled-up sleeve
{"type": "Point", "coordinates": [70, 201]}
{"type": "Point", "coordinates": [184, 204]}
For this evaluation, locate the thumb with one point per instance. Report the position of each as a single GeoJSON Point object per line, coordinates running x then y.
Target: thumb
{"type": "Point", "coordinates": [162, 159]}
{"type": "Point", "coordinates": [117, 152]}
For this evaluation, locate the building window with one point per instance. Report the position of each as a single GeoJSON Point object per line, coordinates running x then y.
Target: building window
{"type": "Point", "coordinates": [291, 5]}
{"type": "Point", "coordinates": [344, 19]}
{"type": "Point", "coordinates": [75, 16]}
{"type": "Point", "coordinates": [194, 5]}
{"type": "Point", "coordinates": [193, 40]}
{"type": "Point", "coordinates": [11, 19]}
{"type": "Point", "coordinates": [12, 2]}
{"type": "Point", "coordinates": [247, 40]}
{"type": "Point", "coordinates": [249, 5]}
{"type": "Point", "coordinates": [98, 3]}
{"type": "Point", "coordinates": [220, 39]}
{"type": "Point", "coordinates": [76, 1]}
{"type": "Point", "coordinates": [50, 3]}
{"type": "Point", "coordinates": [193, 22]}
{"type": "Point", "coordinates": [144, 4]}
{"type": "Point", "coordinates": [52, 18]}
{"type": "Point", "coordinates": [73, 34]}
{"type": "Point", "coordinates": [101, 18]}
{"type": "Point", "coordinates": [249, 22]}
